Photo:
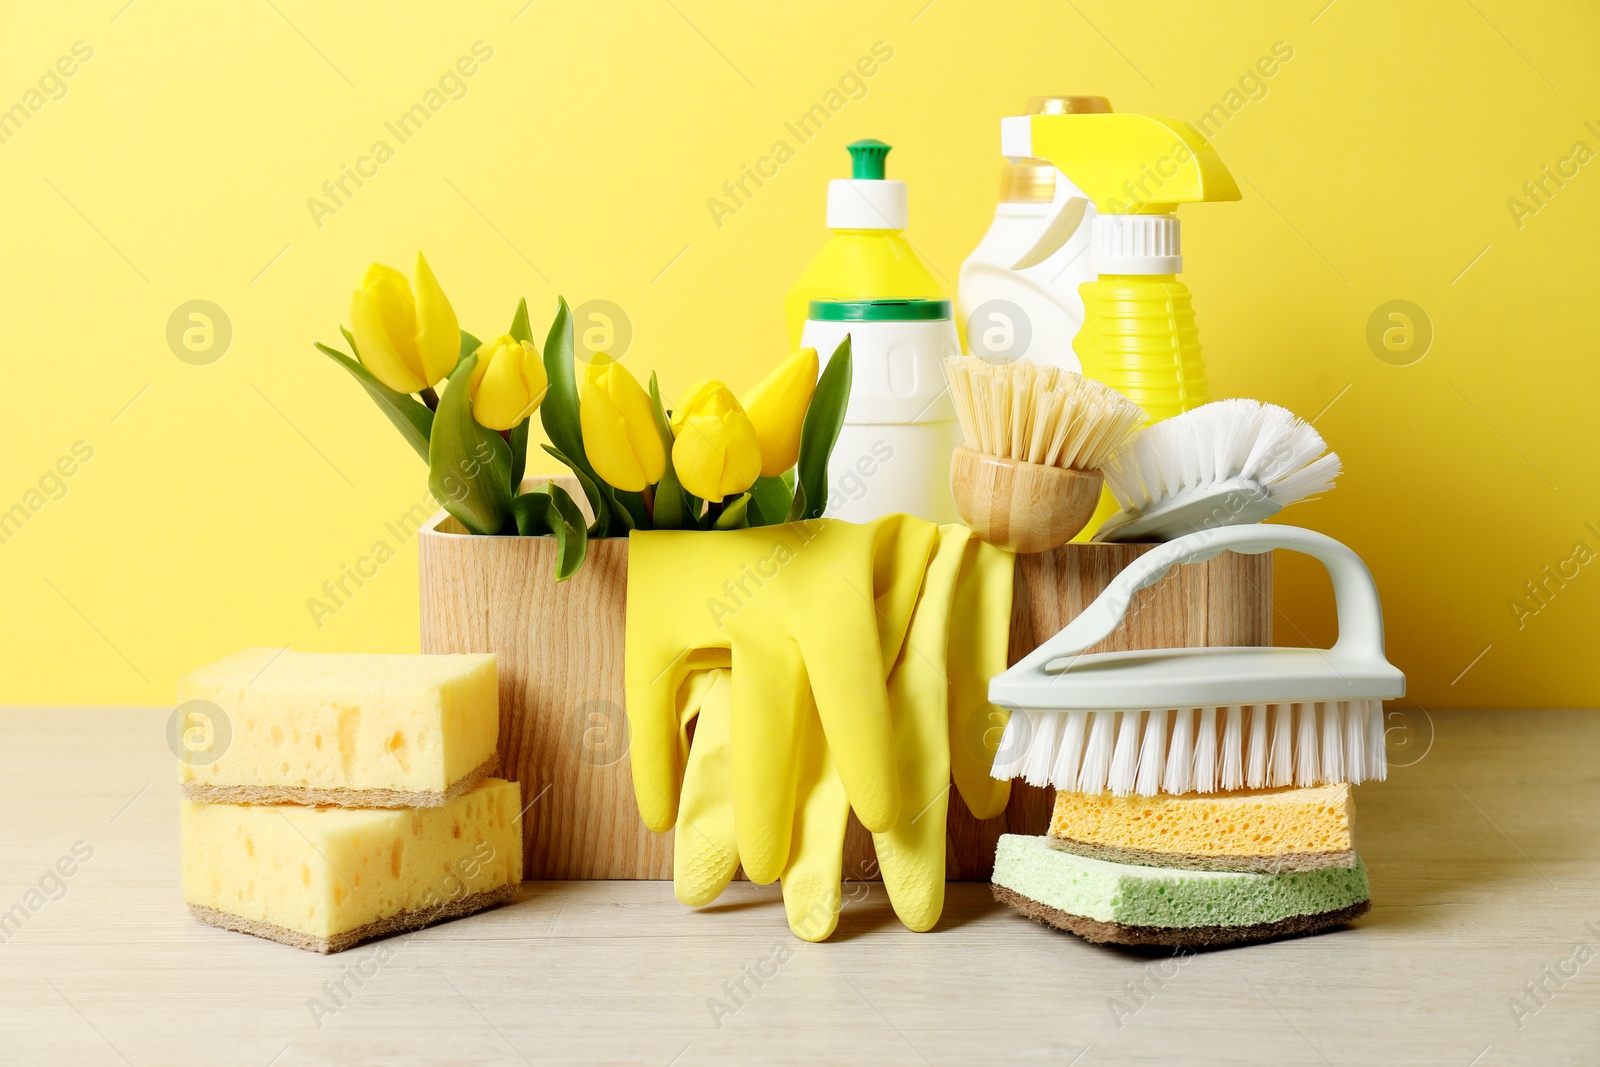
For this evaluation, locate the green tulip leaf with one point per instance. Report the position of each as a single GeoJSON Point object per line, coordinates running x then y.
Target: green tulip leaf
{"type": "Point", "coordinates": [549, 511]}
{"type": "Point", "coordinates": [571, 537]}
{"type": "Point", "coordinates": [520, 329]}
{"type": "Point", "coordinates": [409, 415]}
{"type": "Point", "coordinates": [519, 453]}
{"type": "Point", "coordinates": [672, 503]}
{"type": "Point", "coordinates": [559, 413]}
{"type": "Point", "coordinates": [797, 507]}
{"type": "Point", "coordinates": [736, 516]}
{"type": "Point", "coordinates": [628, 511]}
{"type": "Point", "coordinates": [469, 467]}
{"type": "Point", "coordinates": [597, 501]}
{"type": "Point", "coordinates": [770, 499]}
{"type": "Point", "coordinates": [820, 432]}
{"type": "Point", "coordinates": [531, 510]}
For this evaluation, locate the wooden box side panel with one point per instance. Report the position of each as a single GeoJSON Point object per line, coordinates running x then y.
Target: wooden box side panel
{"type": "Point", "coordinates": [563, 732]}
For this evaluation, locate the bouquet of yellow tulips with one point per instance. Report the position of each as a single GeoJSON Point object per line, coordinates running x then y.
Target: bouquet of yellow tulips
{"type": "Point", "coordinates": [715, 462]}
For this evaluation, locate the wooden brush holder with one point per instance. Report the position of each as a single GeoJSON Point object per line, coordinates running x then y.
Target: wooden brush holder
{"type": "Point", "coordinates": [564, 734]}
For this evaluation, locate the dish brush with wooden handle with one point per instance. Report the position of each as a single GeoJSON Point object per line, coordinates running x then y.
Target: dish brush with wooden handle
{"type": "Point", "coordinates": [1028, 477]}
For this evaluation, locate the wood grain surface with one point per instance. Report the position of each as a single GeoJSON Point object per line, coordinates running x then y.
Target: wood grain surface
{"type": "Point", "coordinates": [563, 730]}
{"type": "Point", "coordinates": [1483, 850]}
{"type": "Point", "coordinates": [1025, 507]}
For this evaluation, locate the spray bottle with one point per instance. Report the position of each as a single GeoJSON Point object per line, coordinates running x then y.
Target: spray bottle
{"type": "Point", "coordinates": [1139, 334]}
{"type": "Point", "coordinates": [1031, 314]}
{"type": "Point", "coordinates": [866, 256]}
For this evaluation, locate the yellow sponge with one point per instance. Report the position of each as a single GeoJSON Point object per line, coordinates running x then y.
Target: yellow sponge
{"type": "Point", "coordinates": [327, 878]}
{"type": "Point", "coordinates": [1261, 830]}
{"type": "Point", "coordinates": [360, 731]}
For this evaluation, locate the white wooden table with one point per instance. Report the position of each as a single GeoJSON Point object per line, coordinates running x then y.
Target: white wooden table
{"type": "Point", "coordinates": [1485, 865]}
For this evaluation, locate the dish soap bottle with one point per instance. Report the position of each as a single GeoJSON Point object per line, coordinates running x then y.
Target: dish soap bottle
{"type": "Point", "coordinates": [1032, 313]}
{"type": "Point", "coordinates": [866, 256]}
{"type": "Point", "coordinates": [1139, 334]}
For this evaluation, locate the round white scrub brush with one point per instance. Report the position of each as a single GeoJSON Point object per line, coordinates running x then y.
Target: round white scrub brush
{"type": "Point", "coordinates": [1221, 464]}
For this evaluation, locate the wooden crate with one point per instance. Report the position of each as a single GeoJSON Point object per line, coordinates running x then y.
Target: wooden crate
{"type": "Point", "coordinates": [564, 734]}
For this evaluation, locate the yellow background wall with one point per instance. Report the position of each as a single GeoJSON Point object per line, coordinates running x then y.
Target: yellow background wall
{"type": "Point", "coordinates": [178, 160]}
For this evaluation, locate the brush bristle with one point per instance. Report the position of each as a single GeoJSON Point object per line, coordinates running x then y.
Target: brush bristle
{"type": "Point", "coordinates": [1221, 440]}
{"type": "Point", "coordinates": [1038, 413]}
{"type": "Point", "coordinates": [1197, 750]}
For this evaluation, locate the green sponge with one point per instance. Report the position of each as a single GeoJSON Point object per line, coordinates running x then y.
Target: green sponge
{"type": "Point", "coordinates": [1124, 904]}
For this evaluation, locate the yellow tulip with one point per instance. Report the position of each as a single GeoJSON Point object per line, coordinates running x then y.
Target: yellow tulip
{"type": "Point", "coordinates": [407, 342]}
{"type": "Point", "coordinates": [619, 427]}
{"type": "Point", "coordinates": [716, 452]}
{"type": "Point", "coordinates": [777, 407]}
{"type": "Point", "coordinates": [507, 383]}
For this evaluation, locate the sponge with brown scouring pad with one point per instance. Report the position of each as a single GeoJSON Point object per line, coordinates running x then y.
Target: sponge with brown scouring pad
{"type": "Point", "coordinates": [1264, 831]}
{"type": "Point", "coordinates": [325, 879]}
{"type": "Point", "coordinates": [359, 731]}
{"type": "Point", "coordinates": [1131, 905]}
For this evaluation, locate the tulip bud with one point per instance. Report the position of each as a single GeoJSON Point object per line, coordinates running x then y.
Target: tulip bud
{"type": "Point", "coordinates": [777, 408]}
{"type": "Point", "coordinates": [716, 452]}
{"type": "Point", "coordinates": [507, 384]}
{"type": "Point", "coordinates": [407, 342]}
{"type": "Point", "coordinates": [619, 427]}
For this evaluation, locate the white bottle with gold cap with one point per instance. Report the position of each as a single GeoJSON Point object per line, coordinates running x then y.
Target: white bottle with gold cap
{"type": "Point", "coordinates": [1035, 312]}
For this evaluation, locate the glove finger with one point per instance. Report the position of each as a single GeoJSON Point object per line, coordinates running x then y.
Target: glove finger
{"type": "Point", "coordinates": [705, 852]}
{"type": "Point", "coordinates": [811, 894]}
{"type": "Point", "coordinates": [852, 700]}
{"type": "Point", "coordinates": [911, 855]}
{"type": "Point", "coordinates": [771, 695]}
{"type": "Point", "coordinates": [667, 571]}
{"type": "Point", "coordinates": [977, 652]}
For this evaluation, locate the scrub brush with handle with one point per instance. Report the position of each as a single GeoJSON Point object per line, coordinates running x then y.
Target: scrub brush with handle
{"type": "Point", "coordinates": [1220, 464]}
{"type": "Point", "coordinates": [1202, 720]}
{"type": "Point", "coordinates": [1028, 476]}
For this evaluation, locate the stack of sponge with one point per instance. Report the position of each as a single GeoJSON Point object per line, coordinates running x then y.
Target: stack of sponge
{"type": "Point", "coordinates": [330, 799]}
{"type": "Point", "coordinates": [1191, 870]}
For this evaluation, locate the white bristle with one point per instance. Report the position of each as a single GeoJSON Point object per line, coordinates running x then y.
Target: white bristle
{"type": "Point", "coordinates": [1231, 774]}
{"type": "Point", "coordinates": [1069, 752]}
{"type": "Point", "coordinates": [1256, 753]}
{"type": "Point", "coordinates": [1041, 750]}
{"type": "Point", "coordinates": [1204, 774]}
{"type": "Point", "coordinates": [1377, 747]}
{"type": "Point", "coordinates": [1280, 767]}
{"type": "Point", "coordinates": [1125, 759]}
{"type": "Point", "coordinates": [1039, 413]}
{"type": "Point", "coordinates": [1225, 439]}
{"type": "Point", "coordinates": [1332, 741]}
{"type": "Point", "coordinates": [1196, 750]}
{"type": "Point", "coordinates": [1180, 755]}
{"type": "Point", "coordinates": [1097, 754]}
{"type": "Point", "coordinates": [1152, 754]}
{"type": "Point", "coordinates": [1355, 741]}
{"type": "Point", "coordinates": [1014, 745]}
{"type": "Point", "coordinates": [1306, 763]}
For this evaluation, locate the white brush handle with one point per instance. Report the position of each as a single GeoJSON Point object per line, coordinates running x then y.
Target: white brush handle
{"type": "Point", "coordinates": [1360, 615]}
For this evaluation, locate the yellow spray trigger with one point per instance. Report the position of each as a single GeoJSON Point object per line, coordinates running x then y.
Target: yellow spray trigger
{"type": "Point", "coordinates": [1124, 164]}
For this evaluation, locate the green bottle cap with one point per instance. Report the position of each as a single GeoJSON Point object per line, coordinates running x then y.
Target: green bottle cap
{"type": "Point", "coordinates": [866, 159]}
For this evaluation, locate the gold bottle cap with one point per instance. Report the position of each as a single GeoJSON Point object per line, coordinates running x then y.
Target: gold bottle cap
{"type": "Point", "coordinates": [1033, 181]}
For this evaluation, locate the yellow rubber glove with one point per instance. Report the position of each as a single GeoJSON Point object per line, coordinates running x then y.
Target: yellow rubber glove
{"type": "Point", "coordinates": [795, 611]}
{"type": "Point", "coordinates": [978, 649]}
{"type": "Point", "coordinates": [939, 668]}
{"type": "Point", "coordinates": [705, 850]}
